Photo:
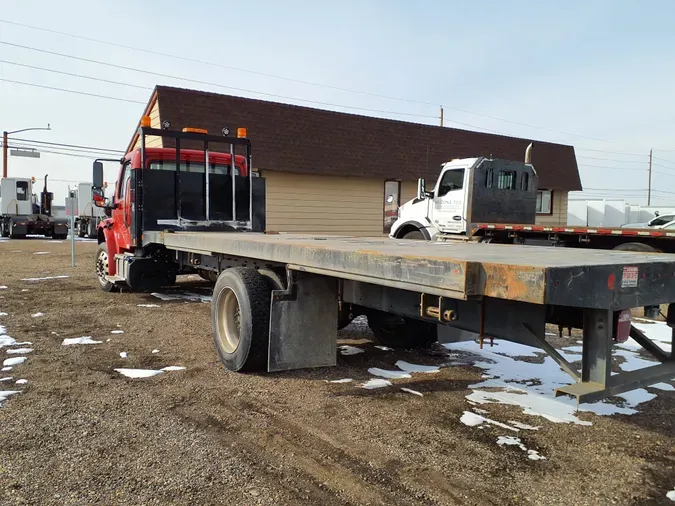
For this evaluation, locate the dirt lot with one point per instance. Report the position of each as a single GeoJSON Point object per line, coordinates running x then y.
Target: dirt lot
{"type": "Point", "coordinates": [81, 433]}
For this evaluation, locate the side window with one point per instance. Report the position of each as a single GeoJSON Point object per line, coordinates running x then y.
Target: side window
{"type": "Point", "coordinates": [488, 178]}
{"type": "Point", "coordinates": [22, 190]}
{"type": "Point", "coordinates": [525, 182]}
{"type": "Point", "coordinates": [506, 180]}
{"type": "Point", "coordinates": [126, 175]}
{"type": "Point", "coordinates": [452, 180]}
{"type": "Point", "coordinates": [656, 222]}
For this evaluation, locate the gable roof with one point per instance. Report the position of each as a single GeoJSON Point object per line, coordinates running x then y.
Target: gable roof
{"type": "Point", "coordinates": [290, 138]}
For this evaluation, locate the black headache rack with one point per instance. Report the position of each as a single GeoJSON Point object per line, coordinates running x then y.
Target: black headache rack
{"type": "Point", "coordinates": [195, 196]}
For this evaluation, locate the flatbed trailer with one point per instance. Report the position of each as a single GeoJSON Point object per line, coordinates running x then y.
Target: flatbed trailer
{"type": "Point", "coordinates": [278, 297]}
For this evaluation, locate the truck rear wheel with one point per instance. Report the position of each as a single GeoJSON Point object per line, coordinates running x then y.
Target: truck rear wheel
{"type": "Point", "coordinates": [401, 332]}
{"type": "Point", "coordinates": [102, 268]}
{"type": "Point", "coordinates": [14, 231]}
{"type": "Point", "coordinates": [240, 314]}
{"type": "Point", "coordinates": [636, 246]}
{"type": "Point", "coordinates": [91, 229]}
{"type": "Point", "coordinates": [4, 231]}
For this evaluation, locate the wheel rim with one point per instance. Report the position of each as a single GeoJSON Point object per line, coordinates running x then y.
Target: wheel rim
{"type": "Point", "coordinates": [229, 320]}
{"type": "Point", "coordinates": [102, 268]}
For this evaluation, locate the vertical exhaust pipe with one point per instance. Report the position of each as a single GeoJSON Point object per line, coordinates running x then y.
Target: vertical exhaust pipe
{"type": "Point", "coordinates": [528, 154]}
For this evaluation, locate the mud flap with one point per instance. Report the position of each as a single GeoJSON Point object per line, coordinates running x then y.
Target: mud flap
{"type": "Point", "coordinates": [303, 323]}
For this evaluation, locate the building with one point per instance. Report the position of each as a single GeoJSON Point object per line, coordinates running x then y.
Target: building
{"type": "Point", "coordinates": [331, 172]}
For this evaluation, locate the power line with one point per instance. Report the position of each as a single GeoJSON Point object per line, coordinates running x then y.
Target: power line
{"type": "Point", "coordinates": [612, 168]}
{"type": "Point", "coordinates": [89, 148]}
{"type": "Point", "coordinates": [606, 151]}
{"type": "Point", "coordinates": [612, 160]}
{"type": "Point", "coordinates": [119, 83]}
{"type": "Point", "coordinates": [207, 83]}
{"type": "Point", "coordinates": [295, 80]}
{"type": "Point", "coordinates": [75, 92]}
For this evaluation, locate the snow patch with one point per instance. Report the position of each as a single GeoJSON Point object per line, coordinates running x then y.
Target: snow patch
{"type": "Point", "coordinates": [41, 253]}
{"type": "Point", "coordinates": [37, 315]}
{"type": "Point", "coordinates": [155, 351]}
{"type": "Point", "coordinates": [343, 380]}
{"type": "Point", "coordinates": [11, 362]}
{"type": "Point", "coordinates": [473, 420]}
{"type": "Point", "coordinates": [117, 332]}
{"type": "Point", "coordinates": [79, 340]}
{"type": "Point", "coordinates": [44, 279]}
{"type": "Point", "coordinates": [173, 368]}
{"type": "Point", "coordinates": [350, 350]}
{"type": "Point", "coordinates": [5, 369]}
{"type": "Point", "coordinates": [524, 426]}
{"type": "Point", "coordinates": [19, 351]}
{"type": "Point", "coordinates": [4, 314]}
{"type": "Point", "coordinates": [666, 387]}
{"type": "Point", "coordinates": [187, 296]}
{"type": "Point", "coordinates": [514, 441]}
{"type": "Point", "coordinates": [411, 391]}
{"type": "Point", "coordinates": [5, 394]}
{"type": "Point", "coordinates": [408, 367]}
{"type": "Point", "coordinates": [124, 354]}
{"type": "Point", "coordinates": [383, 348]}
{"type": "Point", "coordinates": [21, 382]}
{"type": "Point", "coordinates": [3, 287]}
{"type": "Point", "coordinates": [383, 373]}
{"type": "Point", "coordinates": [375, 383]}
{"type": "Point", "coordinates": [8, 378]}
{"type": "Point", "coordinates": [147, 305]}
{"type": "Point", "coordinates": [138, 373]}
{"type": "Point", "coordinates": [671, 495]}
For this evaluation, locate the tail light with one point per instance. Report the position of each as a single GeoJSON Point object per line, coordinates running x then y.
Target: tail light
{"type": "Point", "coordinates": [623, 322]}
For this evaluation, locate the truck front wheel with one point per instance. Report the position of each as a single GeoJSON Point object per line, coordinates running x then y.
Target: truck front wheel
{"type": "Point", "coordinates": [416, 235]}
{"type": "Point", "coordinates": [401, 332]}
{"type": "Point", "coordinates": [240, 314]}
{"type": "Point", "coordinates": [102, 268]}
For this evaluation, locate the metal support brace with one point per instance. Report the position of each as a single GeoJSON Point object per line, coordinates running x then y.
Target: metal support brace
{"type": "Point", "coordinates": [553, 353]}
{"type": "Point", "coordinates": [596, 364]}
{"type": "Point", "coordinates": [303, 323]}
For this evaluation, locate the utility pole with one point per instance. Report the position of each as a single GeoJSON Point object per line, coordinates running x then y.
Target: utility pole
{"type": "Point", "coordinates": [441, 115]}
{"type": "Point", "coordinates": [649, 187]}
{"type": "Point", "coordinates": [5, 140]}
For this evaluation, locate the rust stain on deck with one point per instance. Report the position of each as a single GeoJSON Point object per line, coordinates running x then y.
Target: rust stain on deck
{"type": "Point", "coordinates": [524, 283]}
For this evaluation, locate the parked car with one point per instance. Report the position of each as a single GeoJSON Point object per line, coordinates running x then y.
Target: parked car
{"type": "Point", "coordinates": [656, 222]}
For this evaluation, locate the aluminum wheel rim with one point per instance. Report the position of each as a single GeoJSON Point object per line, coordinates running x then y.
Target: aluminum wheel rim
{"type": "Point", "coordinates": [229, 320]}
{"type": "Point", "coordinates": [102, 268]}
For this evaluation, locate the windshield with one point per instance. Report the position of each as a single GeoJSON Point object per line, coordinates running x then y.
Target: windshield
{"type": "Point", "coordinates": [661, 220]}
{"type": "Point", "coordinates": [198, 167]}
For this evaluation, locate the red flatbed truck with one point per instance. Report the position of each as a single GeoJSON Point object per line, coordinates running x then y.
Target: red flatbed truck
{"type": "Point", "coordinates": [276, 301]}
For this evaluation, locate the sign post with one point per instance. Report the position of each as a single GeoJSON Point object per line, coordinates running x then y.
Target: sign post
{"type": "Point", "coordinates": [71, 210]}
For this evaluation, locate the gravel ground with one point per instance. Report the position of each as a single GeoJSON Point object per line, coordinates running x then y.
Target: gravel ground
{"type": "Point", "coordinates": [81, 433]}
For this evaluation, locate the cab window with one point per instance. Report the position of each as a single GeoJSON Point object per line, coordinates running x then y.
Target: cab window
{"type": "Point", "coordinates": [126, 175]}
{"type": "Point", "coordinates": [452, 180]}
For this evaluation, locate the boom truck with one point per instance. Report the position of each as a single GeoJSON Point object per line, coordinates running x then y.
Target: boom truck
{"type": "Point", "coordinates": [22, 214]}
{"type": "Point", "coordinates": [278, 298]}
{"type": "Point", "coordinates": [494, 201]}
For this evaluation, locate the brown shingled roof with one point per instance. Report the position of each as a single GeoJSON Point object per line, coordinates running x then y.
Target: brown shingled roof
{"type": "Point", "coordinates": [297, 139]}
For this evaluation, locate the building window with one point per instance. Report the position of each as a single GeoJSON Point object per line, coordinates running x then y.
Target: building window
{"type": "Point", "coordinates": [392, 197]}
{"type": "Point", "coordinates": [544, 202]}
{"type": "Point", "coordinates": [22, 190]}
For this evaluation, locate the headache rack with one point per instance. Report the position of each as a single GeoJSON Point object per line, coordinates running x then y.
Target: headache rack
{"type": "Point", "coordinates": [208, 201]}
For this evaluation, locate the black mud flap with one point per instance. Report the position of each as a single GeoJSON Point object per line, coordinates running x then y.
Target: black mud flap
{"type": "Point", "coordinates": [303, 323]}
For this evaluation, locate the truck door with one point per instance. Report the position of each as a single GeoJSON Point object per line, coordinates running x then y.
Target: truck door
{"type": "Point", "coordinates": [448, 210]}
{"type": "Point", "coordinates": [121, 214]}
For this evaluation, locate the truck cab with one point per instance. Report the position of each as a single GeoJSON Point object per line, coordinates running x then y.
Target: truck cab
{"type": "Point", "coordinates": [469, 191]}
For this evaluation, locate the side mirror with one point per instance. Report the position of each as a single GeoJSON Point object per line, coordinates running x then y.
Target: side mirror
{"type": "Point", "coordinates": [97, 177]}
{"type": "Point", "coordinates": [99, 197]}
{"type": "Point", "coordinates": [422, 192]}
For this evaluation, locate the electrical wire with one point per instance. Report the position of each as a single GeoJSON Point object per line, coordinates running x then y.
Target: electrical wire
{"type": "Point", "coordinates": [83, 93]}
{"type": "Point", "coordinates": [89, 148]}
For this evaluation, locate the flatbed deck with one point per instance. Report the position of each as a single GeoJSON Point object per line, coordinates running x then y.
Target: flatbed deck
{"type": "Point", "coordinates": [571, 277]}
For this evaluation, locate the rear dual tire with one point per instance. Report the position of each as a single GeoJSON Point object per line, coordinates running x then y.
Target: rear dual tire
{"type": "Point", "coordinates": [240, 315]}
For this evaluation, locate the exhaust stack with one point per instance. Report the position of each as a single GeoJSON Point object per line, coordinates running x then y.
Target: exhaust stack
{"type": "Point", "coordinates": [528, 154]}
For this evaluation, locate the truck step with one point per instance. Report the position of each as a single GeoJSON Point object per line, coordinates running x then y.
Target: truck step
{"type": "Point", "coordinates": [116, 279]}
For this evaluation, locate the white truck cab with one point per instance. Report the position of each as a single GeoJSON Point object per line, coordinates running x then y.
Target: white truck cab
{"type": "Point", "coordinates": [469, 191]}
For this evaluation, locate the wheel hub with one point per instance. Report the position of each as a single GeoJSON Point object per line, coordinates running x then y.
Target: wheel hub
{"type": "Point", "coordinates": [229, 320]}
{"type": "Point", "coordinates": [102, 268]}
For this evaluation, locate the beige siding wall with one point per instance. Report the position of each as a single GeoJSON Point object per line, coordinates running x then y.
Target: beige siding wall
{"type": "Point", "coordinates": [559, 207]}
{"type": "Point", "coordinates": [152, 142]}
{"type": "Point", "coordinates": [408, 190]}
{"type": "Point", "coordinates": [323, 204]}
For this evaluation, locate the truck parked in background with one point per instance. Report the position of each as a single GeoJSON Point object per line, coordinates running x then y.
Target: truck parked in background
{"type": "Point", "coordinates": [494, 201]}
{"type": "Point", "coordinates": [88, 215]}
{"type": "Point", "coordinates": [22, 214]}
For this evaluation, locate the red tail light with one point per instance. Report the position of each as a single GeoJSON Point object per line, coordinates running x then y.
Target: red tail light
{"type": "Point", "coordinates": [623, 326]}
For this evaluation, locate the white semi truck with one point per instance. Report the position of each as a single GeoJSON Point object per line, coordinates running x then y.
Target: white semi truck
{"type": "Point", "coordinates": [88, 215]}
{"type": "Point", "coordinates": [22, 214]}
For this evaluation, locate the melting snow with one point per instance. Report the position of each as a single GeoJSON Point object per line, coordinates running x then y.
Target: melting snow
{"type": "Point", "coordinates": [411, 391]}
{"type": "Point", "coordinates": [147, 305]}
{"type": "Point", "coordinates": [3, 287]}
{"type": "Point", "coordinates": [383, 348]}
{"type": "Point", "coordinates": [5, 369]}
{"type": "Point", "coordinates": [523, 426]}
{"type": "Point", "coordinates": [8, 378]}
{"type": "Point", "coordinates": [407, 367]}
{"type": "Point", "coordinates": [41, 253]}
{"type": "Point", "coordinates": [45, 278]}
{"type": "Point", "coordinates": [187, 296]}
{"type": "Point", "coordinates": [173, 368]}
{"type": "Point", "coordinates": [383, 373]}
{"type": "Point", "coordinates": [514, 441]}
{"type": "Point", "coordinates": [659, 332]}
{"type": "Point", "coordinates": [343, 380]}
{"type": "Point", "coordinates": [123, 354]}
{"type": "Point", "coordinates": [375, 383]}
{"type": "Point", "coordinates": [79, 340]}
{"type": "Point", "coordinates": [4, 394]}
{"type": "Point", "coordinates": [37, 315]}
{"type": "Point", "coordinates": [138, 373]}
{"type": "Point", "coordinates": [117, 332]}
{"type": "Point", "coordinates": [671, 495]}
{"type": "Point", "coordinates": [666, 387]}
{"type": "Point", "coordinates": [350, 350]}
{"type": "Point", "coordinates": [11, 362]}
{"type": "Point", "coordinates": [19, 351]}
{"type": "Point", "coordinates": [473, 419]}
{"type": "Point", "coordinates": [3, 314]}
{"type": "Point", "coordinates": [155, 351]}
{"type": "Point", "coordinates": [22, 382]}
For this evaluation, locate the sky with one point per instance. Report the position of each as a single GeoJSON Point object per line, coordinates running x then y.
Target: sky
{"type": "Point", "coordinates": [596, 74]}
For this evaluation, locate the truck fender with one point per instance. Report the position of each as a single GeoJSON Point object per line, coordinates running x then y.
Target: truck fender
{"type": "Point", "coordinates": [106, 235]}
{"type": "Point", "coordinates": [409, 226]}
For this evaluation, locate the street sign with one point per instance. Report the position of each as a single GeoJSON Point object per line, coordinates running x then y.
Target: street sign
{"type": "Point", "coordinates": [27, 153]}
{"type": "Point", "coordinates": [71, 206]}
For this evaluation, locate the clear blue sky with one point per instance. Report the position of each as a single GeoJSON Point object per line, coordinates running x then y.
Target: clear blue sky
{"type": "Point", "coordinates": [601, 70]}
